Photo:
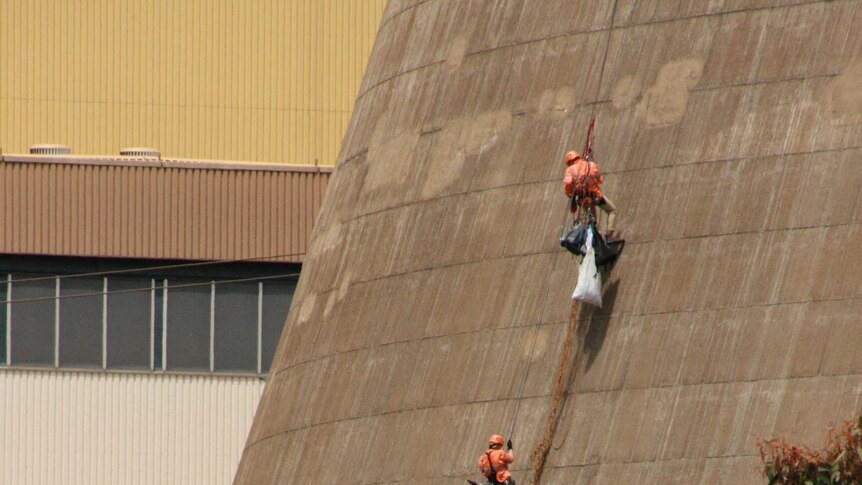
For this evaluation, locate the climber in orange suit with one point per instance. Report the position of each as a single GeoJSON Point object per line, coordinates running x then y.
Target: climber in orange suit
{"type": "Point", "coordinates": [494, 463]}
{"type": "Point", "coordinates": [584, 181]}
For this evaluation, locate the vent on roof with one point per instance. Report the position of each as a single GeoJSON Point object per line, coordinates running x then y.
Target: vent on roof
{"type": "Point", "coordinates": [47, 149]}
{"type": "Point", "coordinates": [141, 152]}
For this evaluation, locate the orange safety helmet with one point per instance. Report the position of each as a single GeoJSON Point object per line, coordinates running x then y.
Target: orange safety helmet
{"type": "Point", "coordinates": [495, 439]}
{"type": "Point", "coordinates": [571, 157]}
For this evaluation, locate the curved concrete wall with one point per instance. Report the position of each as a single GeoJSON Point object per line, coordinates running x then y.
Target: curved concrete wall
{"type": "Point", "coordinates": [432, 308]}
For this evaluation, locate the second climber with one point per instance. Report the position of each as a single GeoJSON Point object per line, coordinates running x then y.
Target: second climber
{"type": "Point", "coordinates": [494, 462]}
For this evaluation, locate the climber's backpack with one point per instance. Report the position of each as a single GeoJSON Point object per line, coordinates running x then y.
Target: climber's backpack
{"type": "Point", "coordinates": [575, 239]}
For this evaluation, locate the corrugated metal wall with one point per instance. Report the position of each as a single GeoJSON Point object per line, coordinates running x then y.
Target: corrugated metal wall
{"type": "Point", "coordinates": [97, 428]}
{"type": "Point", "coordinates": [264, 80]}
{"type": "Point", "coordinates": [152, 211]}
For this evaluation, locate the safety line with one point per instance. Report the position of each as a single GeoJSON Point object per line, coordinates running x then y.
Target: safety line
{"type": "Point", "coordinates": [536, 327]}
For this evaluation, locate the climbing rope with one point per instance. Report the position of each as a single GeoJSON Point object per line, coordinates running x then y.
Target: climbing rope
{"type": "Point", "coordinates": [536, 327]}
{"type": "Point", "coordinates": [539, 456]}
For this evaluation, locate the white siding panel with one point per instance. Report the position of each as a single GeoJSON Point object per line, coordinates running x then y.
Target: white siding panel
{"type": "Point", "coordinates": [110, 428]}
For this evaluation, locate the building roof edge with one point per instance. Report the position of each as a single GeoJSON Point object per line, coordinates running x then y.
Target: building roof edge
{"type": "Point", "coordinates": [190, 164]}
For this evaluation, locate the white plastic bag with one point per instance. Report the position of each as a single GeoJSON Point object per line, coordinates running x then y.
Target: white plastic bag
{"type": "Point", "coordinates": [589, 289]}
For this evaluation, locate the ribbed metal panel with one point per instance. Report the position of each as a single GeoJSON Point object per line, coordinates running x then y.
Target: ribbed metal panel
{"type": "Point", "coordinates": [267, 81]}
{"type": "Point", "coordinates": [95, 428]}
{"type": "Point", "coordinates": [157, 209]}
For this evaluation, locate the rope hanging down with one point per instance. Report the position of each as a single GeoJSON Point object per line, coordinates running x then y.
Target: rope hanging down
{"type": "Point", "coordinates": [539, 456]}
{"type": "Point", "coordinates": [535, 328]}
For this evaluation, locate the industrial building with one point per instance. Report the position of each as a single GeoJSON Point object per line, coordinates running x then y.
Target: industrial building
{"type": "Point", "coordinates": [143, 299]}
{"type": "Point", "coordinates": [148, 289]}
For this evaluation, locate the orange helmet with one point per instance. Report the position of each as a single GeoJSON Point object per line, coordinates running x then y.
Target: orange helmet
{"type": "Point", "coordinates": [571, 157]}
{"type": "Point", "coordinates": [495, 439]}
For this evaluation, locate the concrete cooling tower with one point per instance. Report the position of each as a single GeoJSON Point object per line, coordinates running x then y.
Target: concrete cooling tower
{"type": "Point", "coordinates": [435, 307]}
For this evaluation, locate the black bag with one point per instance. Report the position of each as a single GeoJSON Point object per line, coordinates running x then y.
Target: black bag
{"type": "Point", "coordinates": [604, 253]}
{"type": "Point", "coordinates": [575, 239]}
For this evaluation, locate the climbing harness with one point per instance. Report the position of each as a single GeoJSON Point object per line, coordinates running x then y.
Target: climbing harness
{"type": "Point", "coordinates": [584, 199]}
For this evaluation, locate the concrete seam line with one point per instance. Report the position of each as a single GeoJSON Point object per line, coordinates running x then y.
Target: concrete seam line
{"type": "Point", "coordinates": [399, 12]}
{"type": "Point", "coordinates": [777, 156]}
{"type": "Point", "coordinates": [583, 393]}
{"type": "Point", "coordinates": [632, 242]}
{"type": "Point", "coordinates": [618, 316]}
{"type": "Point", "coordinates": [573, 33]}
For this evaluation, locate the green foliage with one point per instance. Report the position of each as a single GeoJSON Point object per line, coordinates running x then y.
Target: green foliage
{"type": "Point", "coordinates": [840, 462]}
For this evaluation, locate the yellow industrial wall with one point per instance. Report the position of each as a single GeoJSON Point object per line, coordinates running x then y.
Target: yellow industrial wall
{"type": "Point", "coordinates": [259, 80]}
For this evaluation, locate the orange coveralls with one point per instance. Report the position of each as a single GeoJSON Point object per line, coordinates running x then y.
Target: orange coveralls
{"type": "Point", "coordinates": [496, 461]}
{"type": "Point", "coordinates": [586, 175]}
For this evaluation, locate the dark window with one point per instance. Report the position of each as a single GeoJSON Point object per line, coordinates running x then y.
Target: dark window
{"type": "Point", "coordinates": [129, 323]}
{"type": "Point", "coordinates": [188, 326]}
{"type": "Point", "coordinates": [3, 296]}
{"type": "Point", "coordinates": [236, 327]}
{"type": "Point", "coordinates": [33, 322]}
{"type": "Point", "coordinates": [277, 296]}
{"type": "Point", "coordinates": [81, 322]}
{"type": "Point", "coordinates": [158, 326]}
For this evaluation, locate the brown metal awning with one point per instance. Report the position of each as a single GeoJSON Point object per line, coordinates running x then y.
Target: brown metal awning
{"type": "Point", "coordinates": [157, 208]}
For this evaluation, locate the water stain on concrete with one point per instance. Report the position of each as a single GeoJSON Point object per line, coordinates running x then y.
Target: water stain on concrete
{"type": "Point", "coordinates": [457, 52]}
{"type": "Point", "coordinates": [486, 130]}
{"type": "Point", "coordinates": [534, 351]}
{"type": "Point", "coordinates": [458, 141]}
{"type": "Point", "coordinates": [307, 308]}
{"type": "Point", "coordinates": [330, 236]}
{"type": "Point", "coordinates": [389, 162]}
{"type": "Point", "coordinates": [387, 165]}
{"type": "Point", "coordinates": [626, 92]}
{"type": "Point", "coordinates": [556, 103]}
{"type": "Point", "coordinates": [843, 96]}
{"type": "Point", "coordinates": [346, 278]}
{"type": "Point", "coordinates": [665, 101]}
{"type": "Point", "coordinates": [378, 135]}
{"type": "Point", "coordinates": [330, 304]}
{"type": "Point", "coordinates": [446, 162]}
